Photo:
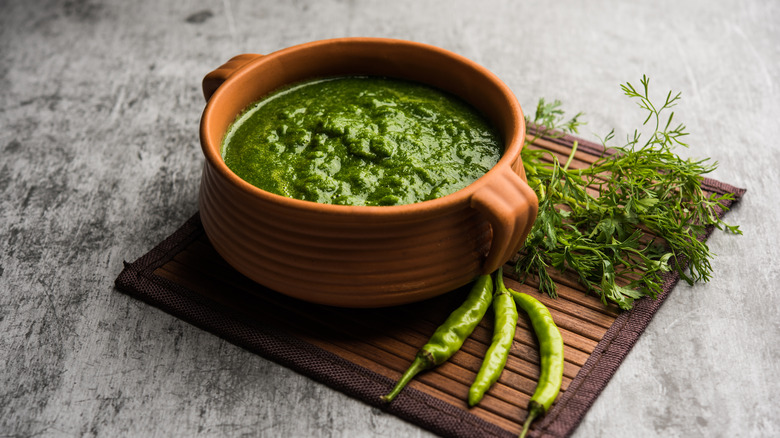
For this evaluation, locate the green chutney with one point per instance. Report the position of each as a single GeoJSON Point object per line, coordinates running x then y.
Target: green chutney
{"type": "Point", "coordinates": [361, 141]}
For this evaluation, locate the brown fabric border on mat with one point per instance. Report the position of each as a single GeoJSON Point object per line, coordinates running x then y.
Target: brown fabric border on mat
{"type": "Point", "coordinates": [139, 279]}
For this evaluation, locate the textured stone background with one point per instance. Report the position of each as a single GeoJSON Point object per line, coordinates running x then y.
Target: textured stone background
{"type": "Point", "coordinates": [99, 160]}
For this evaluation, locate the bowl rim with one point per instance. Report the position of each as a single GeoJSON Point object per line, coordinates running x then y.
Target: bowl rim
{"type": "Point", "coordinates": [513, 139]}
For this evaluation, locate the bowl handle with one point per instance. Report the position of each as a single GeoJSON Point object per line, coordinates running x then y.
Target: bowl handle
{"type": "Point", "coordinates": [510, 206]}
{"type": "Point", "coordinates": [213, 80]}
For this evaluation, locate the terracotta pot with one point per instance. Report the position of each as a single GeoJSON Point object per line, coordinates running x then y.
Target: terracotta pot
{"type": "Point", "coordinates": [357, 256]}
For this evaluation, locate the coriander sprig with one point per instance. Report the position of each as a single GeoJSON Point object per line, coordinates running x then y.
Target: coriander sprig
{"type": "Point", "coordinates": [648, 217]}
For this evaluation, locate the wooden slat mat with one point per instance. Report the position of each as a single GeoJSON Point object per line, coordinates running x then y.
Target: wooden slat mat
{"type": "Point", "coordinates": [363, 352]}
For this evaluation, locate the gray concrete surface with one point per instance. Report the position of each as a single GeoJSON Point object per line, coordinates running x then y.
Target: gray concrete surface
{"type": "Point", "coordinates": [99, 160]}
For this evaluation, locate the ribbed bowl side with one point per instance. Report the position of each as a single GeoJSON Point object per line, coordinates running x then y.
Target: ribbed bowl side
{"type": "Point", "coordinates": [348, 261]}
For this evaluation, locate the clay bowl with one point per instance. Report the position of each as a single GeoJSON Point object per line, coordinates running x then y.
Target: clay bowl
{"type": "Point", "coordinates": [357, 256]}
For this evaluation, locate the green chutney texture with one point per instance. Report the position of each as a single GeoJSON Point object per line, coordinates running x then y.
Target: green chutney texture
{"type": "Point", "coordinates": [361, 141]}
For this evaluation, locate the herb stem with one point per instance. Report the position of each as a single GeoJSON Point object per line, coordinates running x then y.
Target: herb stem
{"type": "Point", "coordinates": [571, 156]}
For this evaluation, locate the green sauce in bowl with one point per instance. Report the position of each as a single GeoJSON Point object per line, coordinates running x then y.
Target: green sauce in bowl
{"type": "Point", "coordinates": [361, 141]}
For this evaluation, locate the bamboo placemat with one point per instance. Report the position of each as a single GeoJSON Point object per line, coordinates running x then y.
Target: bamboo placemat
{"type": "Point", "coordinates": [363, 352]}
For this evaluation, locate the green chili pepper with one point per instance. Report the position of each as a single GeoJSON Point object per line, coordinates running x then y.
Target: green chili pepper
{"type": "Point", "coordinates": [551, 353]}
{"type": "Point", "coordinates": [449, 337]}
{"type": "Point", "coordinates": [503, 334]}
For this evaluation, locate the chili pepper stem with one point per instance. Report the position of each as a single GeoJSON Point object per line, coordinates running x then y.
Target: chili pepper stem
{"type": "Point", "coordinates": [419, 363]}
{"type": "Point", "coordinates": [500, 279]}
{"type": "Point", "coordinates": [528, 420]}
{"type": "Point", "coordinates": [534, 411]}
